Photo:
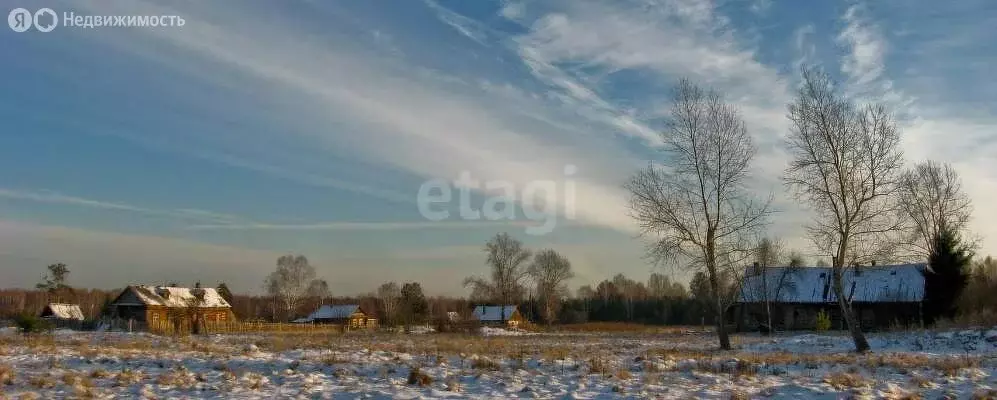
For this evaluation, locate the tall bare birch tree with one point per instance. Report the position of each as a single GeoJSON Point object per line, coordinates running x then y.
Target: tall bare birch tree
{"type": "Point", "coordinates": [290, 282]}
{"type": "Point", "coordinates": [932, 198]}
{"type": "Point", "coordinates": [507, 260]}
{"type": "Point", "coordinates": [550, 271]}
{"type": "Point", "coordinates": [846, 163]}
{"type": "Point", "coordinates": [695, 205]}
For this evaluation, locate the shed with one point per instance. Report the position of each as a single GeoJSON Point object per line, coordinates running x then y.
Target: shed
{"type": "Point", "coordinates": [349, 315]}
{"type": "Point", "coordinates": [498, 315]}
{"type": "Point", "coordinates": [62, 311]}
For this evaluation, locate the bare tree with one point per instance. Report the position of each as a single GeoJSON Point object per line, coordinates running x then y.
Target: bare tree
{"type": "Point", "coordinates": [932, 197]}
{"type": "Point", "coordinates": [506, 257]}
{"type": "Point", "coordinates": [697, 206]}
{"type": "Point", "coordinates": [550, 271]}
{"type": "Point", "coordinates": [796, 259]}
{"type": "Point", "coordinates": [660, 286]}
{"type": "Point", "coordinates": [54, 282]}
{"type": "Point", "coordinates": [846, 164]}
{"type": "Point", "coordinates": [319, 288]}
{"type": "Point", "coordinates": [290, 282]}
{"type": "Point", "coordinates": [389, 294]}
{"type": "Point", "coordinates": [767, 255]}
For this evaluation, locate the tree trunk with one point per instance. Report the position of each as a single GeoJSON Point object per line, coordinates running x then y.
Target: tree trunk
{"type": "Point", "coordinates": [722, 327]}
{"type": "Point", "coordinates": [719, 313]}
{"type": "Point", "coordinates": [861, 344]}
{"type": "Point", "coordinates": [768, 308]}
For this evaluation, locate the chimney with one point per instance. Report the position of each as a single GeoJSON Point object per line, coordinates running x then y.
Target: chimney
{"type": "Point", "coordinates": [873, 263]}
{"type": "Point", "coordinates": [757, 269]}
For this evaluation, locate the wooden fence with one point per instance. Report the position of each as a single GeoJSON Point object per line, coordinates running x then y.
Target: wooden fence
{"type": "Point", "coordinates": [216, 327]}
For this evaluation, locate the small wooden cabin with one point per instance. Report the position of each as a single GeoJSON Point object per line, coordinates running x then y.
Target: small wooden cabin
{"type": "Point", "coordinates": [498, 315]}
{"type": "Point", "coordinates": [351, 316]}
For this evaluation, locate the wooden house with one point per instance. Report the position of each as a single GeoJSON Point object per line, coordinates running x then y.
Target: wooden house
{"type": "Point", "coordinates": [498, 315]}
{"type": "Point", "coordinates": [351, 316]}
{"type": "Point", "coordinates": [882, 296]}
{"type": "Point", "coordinates": [154, 306]}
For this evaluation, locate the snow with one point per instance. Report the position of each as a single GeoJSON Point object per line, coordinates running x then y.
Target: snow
{"type": "Point", "coordinates": [672, 364]}
{"type": "Point", "coordinates": [172, 296]}
{"type": "Point", "coordinates": [490, 331]}
{"type": "Point", "coordinates": [65, 311]}
{"type": "Point", "coordinates": [926, 342]}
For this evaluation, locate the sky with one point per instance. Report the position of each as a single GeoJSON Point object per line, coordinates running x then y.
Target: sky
{"type": "Point", "coordinates": [205, 151]}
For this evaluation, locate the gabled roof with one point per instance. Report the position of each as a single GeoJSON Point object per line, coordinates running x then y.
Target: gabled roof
{"type": "Point", "coordinates": [494, 313]}
{"type": "Point", "coordinates": [170, 296]}
{"type": "Point", "coordinates": [887, 283]}
{"type": "Point", "coordinates": [63, 311]}
{"type": "Point", "coordinates": [334, 312]}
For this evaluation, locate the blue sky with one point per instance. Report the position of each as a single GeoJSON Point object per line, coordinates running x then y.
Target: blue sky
{"type": "Point", "coordinates": [203, 152]}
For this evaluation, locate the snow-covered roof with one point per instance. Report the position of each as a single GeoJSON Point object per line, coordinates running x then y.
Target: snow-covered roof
{"type": "Point", "coordinates": [334, 312]}
{"type": "Point", "coordinates": [494, 313]}
{"type": "Point", "coordinates": [171, 296]}
{"type": "Point", "coordinates": [887, 283]}
{"type": "Point", "coordinates": [63, 311]}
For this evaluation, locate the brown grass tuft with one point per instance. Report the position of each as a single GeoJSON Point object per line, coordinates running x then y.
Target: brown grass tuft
{"type": "Point", "coordinates": [419, 378]}
{"type": "Point", "coordinates": [485, 363]}
{"type": "Point", "coordinates": [844, 380]}
{"type": "Point", "coordinates": [6, 374]}
{"type": "Point", "coordinates": [599, 366]}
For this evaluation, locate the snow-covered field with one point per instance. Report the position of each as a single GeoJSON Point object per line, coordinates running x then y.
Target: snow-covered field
{"type": "Point", "coordinates": [678, 364]}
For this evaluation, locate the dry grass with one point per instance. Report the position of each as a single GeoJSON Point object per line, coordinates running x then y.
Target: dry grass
{"type": "Point", "coordinates": [453, 384]}
{"type": "Point", "coordinates": [846, 380]}
{"type": "Point", "coordinates": [100, 373]}
{"type": "Point", "coordinates": [334, 359]}
{"type": "Point", "coordinates": [486, 364]}
{"type": "Point", "coordinates": [921, 382]}
{"type": "Point", "coordinates": [76, 379]}
{"type": "Point", "coordinates": [419, 378]}
{"type": "Point", "coordinates": [614, 327]}
{"type": "Point", "coordinates": [44, 381]}
{"type": "Point", "coordinates": [129, 377]}
{"type": "Point", "coordinates": [599, 366]}
{"type": "Point", "coordinates": [7, 375]}
{"type": "Point", "coordinates": [178, 377]}
{"type": "Point", "coordinates": [254, 381]}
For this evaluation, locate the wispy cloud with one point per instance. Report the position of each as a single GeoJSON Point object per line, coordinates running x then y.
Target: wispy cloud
{"type": "Point", "coordinates": [407, 117]}
{"type": "Point", "coordinates": [57, 198]}
{"type": "Point", "coordinates": [372, 226]}
{"type": "Point", "coordinates": [864, 63]}
{"type": "Point", "coordinates": [576, 103]}
{"type": "Point", "coordinates": [933, 128]}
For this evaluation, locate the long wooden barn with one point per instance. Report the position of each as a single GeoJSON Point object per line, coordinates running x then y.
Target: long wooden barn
{"type": "Point", "coordinates": [882, 296]}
